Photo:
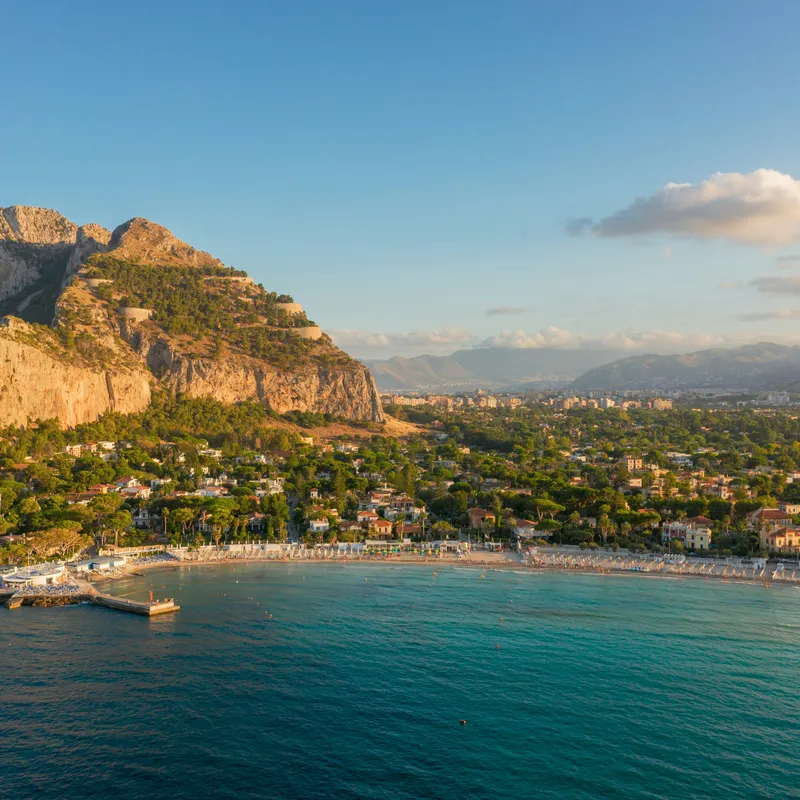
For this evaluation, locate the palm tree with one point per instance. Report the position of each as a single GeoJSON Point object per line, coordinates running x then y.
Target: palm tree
{"type": "Point", "coordinates": [606, 526]}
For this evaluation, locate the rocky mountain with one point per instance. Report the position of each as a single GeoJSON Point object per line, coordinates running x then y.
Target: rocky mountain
{"type": "Point", "coordinates": [748, 368]}
{"type": "Point", "coordinates": [498, 368]}
{"type": "Point", "coordinates": [94, 321]}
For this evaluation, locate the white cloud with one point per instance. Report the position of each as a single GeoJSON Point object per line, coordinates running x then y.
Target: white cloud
{"type": "Point", "coordinates": [434, 339]}
{"type": "Point", "coordinates": [522, 340]}
{"type": "Point", "coordinates": [630, 339]}
{"type": "Point", "coordinates": [760, 207]}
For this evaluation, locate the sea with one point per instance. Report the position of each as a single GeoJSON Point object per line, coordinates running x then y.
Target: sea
{"type": "Point", "coordinates": [391, 682]}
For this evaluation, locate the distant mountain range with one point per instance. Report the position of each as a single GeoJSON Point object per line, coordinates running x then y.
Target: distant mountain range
{"type": "Point", "coordinates": [496, 368]}
{"type": "Point", "coordinates": [748, 368]}
{"type": "Point", "coordinates": [756, 367]}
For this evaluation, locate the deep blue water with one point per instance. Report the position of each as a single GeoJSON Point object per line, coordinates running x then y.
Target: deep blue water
{"type": "Point", "coordinates": [589, 687]}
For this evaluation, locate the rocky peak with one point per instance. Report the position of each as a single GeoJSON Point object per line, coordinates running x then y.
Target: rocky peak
{"type": "Point", "coordinates": [32, 225]}
{"type": "Point", "coordinates": [142, 240]}
{"type": "Point", "coordinates": [93, 232]}
{"type": "Point", "coordinates": [90, 239]}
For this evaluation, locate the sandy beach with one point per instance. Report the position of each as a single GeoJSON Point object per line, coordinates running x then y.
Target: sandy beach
{"type": "Point", "coordinates": [582, 563]}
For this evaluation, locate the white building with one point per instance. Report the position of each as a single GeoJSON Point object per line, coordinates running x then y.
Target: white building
{"type": "Point", "coordinates": [40, 575]}
{"type": "Point", "coordinates": [100, 564]}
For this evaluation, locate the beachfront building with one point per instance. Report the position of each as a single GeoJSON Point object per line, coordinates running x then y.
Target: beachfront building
{"type": "Point", "coordinates": [697, 539]}
{"type": "Point", "coordinates": [381, 529]}
{"type": "Point", "coordinates": [768, 519]}
{"type": "Point", "coordinates": [781, 540]}
{"type": "Point", "coordinates": [480, 518]}
{"type": "Point", "coordinates": [525, 529]}
{"type": "Point", "coordinates": [40, 575]}
{"type": "Point", "coordinates": [318, 525]}
{"type": "Point", "coordinates": [691, 533]}
{"type": "Point", "coordinates": [100, 564]}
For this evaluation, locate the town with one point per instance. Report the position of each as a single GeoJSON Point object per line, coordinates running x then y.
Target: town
{"type": "Point", "coordinates": [511, 476]}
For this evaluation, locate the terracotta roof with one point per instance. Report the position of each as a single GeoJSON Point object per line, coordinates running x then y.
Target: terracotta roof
{"type": "Point", "coordinates": [773, 513]}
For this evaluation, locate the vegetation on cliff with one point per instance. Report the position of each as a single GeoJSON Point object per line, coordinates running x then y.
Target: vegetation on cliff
{"type": "Point", "coordinates": [106, 318]}
{"type": "Point", "coordinates": [218, 308]}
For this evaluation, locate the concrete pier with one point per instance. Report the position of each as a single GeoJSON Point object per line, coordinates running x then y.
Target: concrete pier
{"type": "Point", "coordinates": [17, 600]}
{"type": "Point", "coordinates": [166, 606]}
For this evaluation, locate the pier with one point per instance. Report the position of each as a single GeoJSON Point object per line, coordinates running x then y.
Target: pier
{"type": "Point", "coordinates": [152, 609]}
{"type": "Point", "coordinates": [146, 609]}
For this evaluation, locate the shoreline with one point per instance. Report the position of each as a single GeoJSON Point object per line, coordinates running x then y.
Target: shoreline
{"type": "Point", "coordinates": [501, 564]}
{"type": "Point", "coordinates": [85, 590]}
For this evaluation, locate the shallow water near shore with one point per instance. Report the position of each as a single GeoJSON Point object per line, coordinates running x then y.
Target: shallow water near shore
{"type": "Point", "coordinates": [571, 686]}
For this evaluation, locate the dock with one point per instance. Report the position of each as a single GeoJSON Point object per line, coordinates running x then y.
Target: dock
{"type": "Point", "coordinates": [146, 609]}
{"type": "Point", "coordinates": [157, 607]}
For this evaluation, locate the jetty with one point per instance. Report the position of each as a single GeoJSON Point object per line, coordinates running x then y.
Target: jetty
{"type": "Point", "coordinates": [153, 608]}
{"type": "Point", "coordinates": [147, 609]}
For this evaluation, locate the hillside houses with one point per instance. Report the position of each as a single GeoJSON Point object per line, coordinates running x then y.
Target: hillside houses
{"type": "Point", "coordinates": [480, 470]}
{"type": "Point", "coordinates": [768, 519]}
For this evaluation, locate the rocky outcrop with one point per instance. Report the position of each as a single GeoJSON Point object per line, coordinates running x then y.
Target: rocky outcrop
{"type": "Point", "coordinates": [141, 240]}
{"type": "Point", "coordinates": [35, 242]}
{"type": "Point", "coordinates": [36, 384]}
{"type": "Point", "coordinates": [105, 359]}
{"type": "Point", "coordinates": [90, 239]}
{"type": "Point", "coordinates": [36, 226]}
{"type": "Point", "coordinates": [347, 392]}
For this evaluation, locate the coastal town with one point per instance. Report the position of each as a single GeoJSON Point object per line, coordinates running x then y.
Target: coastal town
{"type": "Point", "coordinates": [634, 485]}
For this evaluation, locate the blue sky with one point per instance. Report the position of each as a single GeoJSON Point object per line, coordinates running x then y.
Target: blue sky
{"type": "Point", "coordinates": [407, 170]}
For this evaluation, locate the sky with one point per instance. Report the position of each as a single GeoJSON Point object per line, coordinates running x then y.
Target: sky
{"type": "Point", "coordinates": [426, 176]}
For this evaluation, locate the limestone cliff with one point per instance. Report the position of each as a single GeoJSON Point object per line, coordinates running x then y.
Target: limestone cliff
{"type": "Point", "coordinates": [116, 315]}
{"type": "Point", "coordinates": [36, 384]}
{"type": "Point", "coordinates": [36, 226]}
{"type": "Point", "coordinates": [346, 391]}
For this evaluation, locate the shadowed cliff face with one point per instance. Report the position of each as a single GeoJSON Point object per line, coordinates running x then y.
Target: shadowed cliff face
{"type": "Point", "coordinates": [93, 358]}
{"type": "Point", "coordinates": [39, 250]}
{"type": "Point", "coordinates": [347, 392]}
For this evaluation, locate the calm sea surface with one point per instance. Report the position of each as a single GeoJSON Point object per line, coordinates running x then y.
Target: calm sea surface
{"type": "Point", "coordinates": [572, 687]}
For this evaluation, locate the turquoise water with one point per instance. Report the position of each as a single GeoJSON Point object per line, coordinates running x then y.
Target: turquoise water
{"type": "Point", "coordinates": [589, 687]}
